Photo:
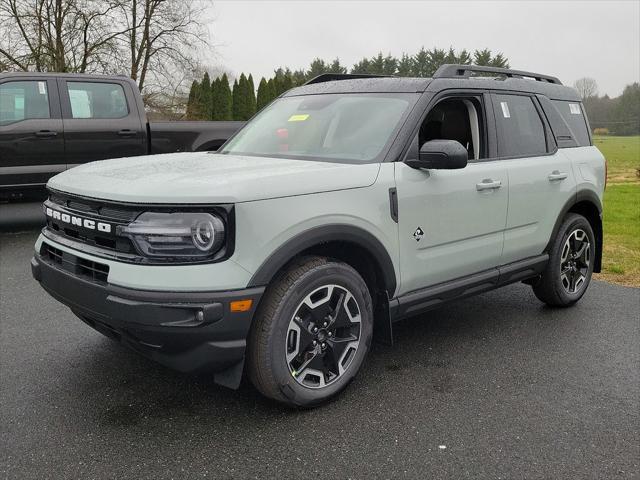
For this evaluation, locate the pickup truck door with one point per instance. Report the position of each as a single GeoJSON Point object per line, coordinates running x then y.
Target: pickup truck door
{"type": "Point", "coordinates": [101, 120]}
{"type": "Point", "coordinates": [451, 222]}
{"type": "Point", "coordinates": [31, 132]}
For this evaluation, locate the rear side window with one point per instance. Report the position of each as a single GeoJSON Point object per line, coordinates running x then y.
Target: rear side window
{"type": "Point", "coordinates": [22, 100]}
{"type": "Point", "coordinates": [574, 116]}
{"type": "Point", "coordinates": [520, 127]}
{"type": "Point", "coordinates": [97, 100]}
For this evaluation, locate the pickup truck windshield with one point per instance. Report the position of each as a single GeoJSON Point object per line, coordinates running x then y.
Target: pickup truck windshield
{"type": "Point", "coordinates": [349, 127]}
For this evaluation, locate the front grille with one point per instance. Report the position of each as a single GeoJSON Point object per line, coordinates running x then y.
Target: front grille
{"type": "Point", "coordinates": [81, 209]}
{"type": "Point", "coordinates": [88, 269]}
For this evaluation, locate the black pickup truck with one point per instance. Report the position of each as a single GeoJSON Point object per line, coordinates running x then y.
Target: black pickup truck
{"type": "Point", "coordinates": [50, 122]}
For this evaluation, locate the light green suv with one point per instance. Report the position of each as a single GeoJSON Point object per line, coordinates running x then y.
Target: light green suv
{"type": "Point", "coordinates": [347, 204]}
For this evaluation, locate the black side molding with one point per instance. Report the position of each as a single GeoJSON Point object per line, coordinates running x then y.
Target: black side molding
{"type": "Point", "coordinates": [425, 299]}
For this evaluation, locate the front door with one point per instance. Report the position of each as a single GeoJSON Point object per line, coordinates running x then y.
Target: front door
{"type": "Point", "coordinates": [451, 222]}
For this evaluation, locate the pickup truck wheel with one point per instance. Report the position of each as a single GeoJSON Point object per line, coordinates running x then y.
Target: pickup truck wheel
{"type": "Point", "coordinates": [568, 273]}
{"type": "Point", "coordinates": [311, 333]}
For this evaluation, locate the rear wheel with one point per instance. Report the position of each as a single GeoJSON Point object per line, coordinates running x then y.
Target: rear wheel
{"type": "Point", "coordinates": [311, 333]}
{"type": "Point", "coordinates": [570, 266]}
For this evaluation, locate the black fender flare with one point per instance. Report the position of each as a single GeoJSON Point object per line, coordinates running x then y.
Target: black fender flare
{"type": "Point", "coordinates": [581, 196]}
{"type": "Point", "coordinates": [324, 234]}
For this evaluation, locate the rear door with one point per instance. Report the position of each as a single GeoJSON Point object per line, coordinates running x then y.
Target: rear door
{"type": "Point", "coordinates": [541, 179]}
{"type": "Point", "coordinates": [101, 120]}
{"type": "Point", "coordinates": [31, 133]}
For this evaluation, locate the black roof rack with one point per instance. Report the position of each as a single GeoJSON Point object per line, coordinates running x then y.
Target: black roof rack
{"type": "Point", "coordinates": [329, 77]}
{"type": "Point", "coordinates": [455, 71]}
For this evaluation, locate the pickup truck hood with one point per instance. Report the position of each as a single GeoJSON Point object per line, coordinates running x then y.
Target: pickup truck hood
{"type": "Point", "coordinates": [200, 177]}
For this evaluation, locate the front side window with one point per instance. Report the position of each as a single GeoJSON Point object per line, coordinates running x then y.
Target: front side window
{"type": "Point", "coordinates": [97, 100]}
{"type": "Point", "coordinates": [342, 127]}
{"type": "Point", "coordinates": [460, 119]}
{"type": "Point", "coordinates": [22, 100]}
{"type": "Point", "coordinates": [520, 126]}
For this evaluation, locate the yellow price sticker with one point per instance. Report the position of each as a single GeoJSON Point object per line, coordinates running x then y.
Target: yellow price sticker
{"type": "Point", "coordinates": [298, 118]}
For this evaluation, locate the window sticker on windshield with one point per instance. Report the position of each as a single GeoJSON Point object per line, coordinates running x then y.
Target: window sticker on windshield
{"type": "Point", "coordinates": [42, 88]}
{"type": "Point", "coordinates": [574, 108]}
{"type": "Point", "coordinates": [298, 118]}
{"type": "Point", "coordinates": [505, 110]}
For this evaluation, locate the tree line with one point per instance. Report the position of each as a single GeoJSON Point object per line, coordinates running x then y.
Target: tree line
{"type": "Point", "coordinates": [616, 116]}
{"type": "Point", "coordinates": [216, 100]}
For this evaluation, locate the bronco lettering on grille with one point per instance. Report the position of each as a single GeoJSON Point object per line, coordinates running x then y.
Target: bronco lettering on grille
{"type": "Point", "coordinates": [78, 221]}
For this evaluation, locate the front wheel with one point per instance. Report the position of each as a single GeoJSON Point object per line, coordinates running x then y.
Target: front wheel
{"type": "Point", "coordinates": [568, 273]}
{"type": "Point", "coordinates": [311, 333]}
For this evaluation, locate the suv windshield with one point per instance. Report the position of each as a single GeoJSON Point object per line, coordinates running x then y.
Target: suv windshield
{"type": "Point", "coordinates": [351, 127]}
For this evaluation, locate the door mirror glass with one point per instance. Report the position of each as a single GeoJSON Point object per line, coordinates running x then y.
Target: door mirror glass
{"type": "Point", "coordinates": [440, 154]}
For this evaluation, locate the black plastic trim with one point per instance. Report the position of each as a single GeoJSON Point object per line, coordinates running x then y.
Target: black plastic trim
{"type": "Point", "coordinates": [186, 331]}
{"type": "Point", "coordinates": [425, 299]}
{"type": "Point", "coordinates": [323, 234]}
{"type": "Point", "coordinates": [393, 204]}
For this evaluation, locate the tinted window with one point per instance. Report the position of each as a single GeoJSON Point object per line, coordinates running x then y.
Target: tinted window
{"type": "Point", "coordinates": [97, 100]}
{"type": "Point", "coordinates": [23, 100]}
{"type": "Point", "coordinates": [574, 116]}
{"type": "Point", "coordinates": [520, 126]}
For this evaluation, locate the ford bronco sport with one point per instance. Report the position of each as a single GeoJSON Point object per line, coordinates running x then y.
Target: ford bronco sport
{"type": "Point", "coordinates": [347, 204]}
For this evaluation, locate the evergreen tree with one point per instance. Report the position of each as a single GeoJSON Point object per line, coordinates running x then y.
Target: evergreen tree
{"type": "Point", "coordinates": [405, 66]}
{"type": "Point", "coordinates": [421, 63]}
{"type": "Point", "coordinates": [271, 90]}
{"type": "Point", "coordinates": [192, 101]}
{"type": "Point", "coordinates": [263, 95]}
{"type": "Point", "coordinates": [236, 101]}
{"type": "Point", "coordinates": [243, 97]}
{"type": "Point", "coordinates": [224, 100]}
{"type": "Point", "coordinates": [299, 77]}
{"type": "Point", "coordinates": [627, 111]}
{"type": "Point", "coordinates": [363, 66]}
{"type": "Point", "coordinates": [204, 103]}
{"type": "Point", "coordinates": [336, 67]}
{"type": "Point", "coordinates": [213, 110]}
{"type": "Point", "coordinates": [317, 67]}
{"type": "Point", "coordinates": [251, 97]}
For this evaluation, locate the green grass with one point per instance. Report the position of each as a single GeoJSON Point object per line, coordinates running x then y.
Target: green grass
{"type": "Point", "coordinates": [623, 157]}
{"type": "Point", "coordinates": [621, 260]}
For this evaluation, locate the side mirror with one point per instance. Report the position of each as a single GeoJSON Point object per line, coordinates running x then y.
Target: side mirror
{"type": "Point", "coordinates": [440, 154]}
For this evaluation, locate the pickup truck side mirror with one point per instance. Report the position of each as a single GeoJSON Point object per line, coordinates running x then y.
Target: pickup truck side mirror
{"type": "Point", "coordinates": [440, 154]}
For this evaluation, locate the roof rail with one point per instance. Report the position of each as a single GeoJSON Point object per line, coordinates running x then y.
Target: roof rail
{"type": "Point", "coordinates": [455, 71]}
{"type": "Point", "coordinates": [329, 77]}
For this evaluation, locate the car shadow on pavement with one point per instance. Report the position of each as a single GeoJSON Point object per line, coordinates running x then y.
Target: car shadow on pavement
{"type": "Point", "coordinates": [432, 352]}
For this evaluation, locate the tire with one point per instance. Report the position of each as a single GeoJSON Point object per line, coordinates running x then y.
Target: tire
{"type": "Point", "coordinates": [283, 363]}
{"type": "Point", "coordinates": [567, 277]}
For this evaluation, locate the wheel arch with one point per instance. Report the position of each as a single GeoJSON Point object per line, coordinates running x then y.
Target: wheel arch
{"type": "Point", "coordinates": [352, 245]}
{"type": "Point", "coordinates": [588, 204]}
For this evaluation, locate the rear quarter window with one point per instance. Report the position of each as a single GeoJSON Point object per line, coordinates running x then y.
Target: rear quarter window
{"type": "Point", "coordinates": [573, 114]}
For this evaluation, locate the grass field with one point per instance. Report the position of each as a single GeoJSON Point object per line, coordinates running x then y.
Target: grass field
{"type": "Point", "coordinates": [621, 260]}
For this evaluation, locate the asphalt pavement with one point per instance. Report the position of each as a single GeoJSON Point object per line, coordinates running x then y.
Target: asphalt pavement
{"type": "Point", "coordinates": [496, 386]}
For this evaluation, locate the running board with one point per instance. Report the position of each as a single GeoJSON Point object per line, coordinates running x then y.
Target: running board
{"type": "Point", "coordinates": [419, 301]}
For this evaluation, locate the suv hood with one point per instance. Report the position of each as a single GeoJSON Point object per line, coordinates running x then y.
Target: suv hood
{"type": "Point", "coordinates": [201, 177]}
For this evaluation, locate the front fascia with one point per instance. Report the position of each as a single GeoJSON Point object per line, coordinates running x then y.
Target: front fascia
{"type": "Point", "coordinates": [227, 275]}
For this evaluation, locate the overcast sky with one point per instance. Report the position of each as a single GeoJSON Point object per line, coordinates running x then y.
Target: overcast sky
{"type": "Point", "coordinates": [567, 39]}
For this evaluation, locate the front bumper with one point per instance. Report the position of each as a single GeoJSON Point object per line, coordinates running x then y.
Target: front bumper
{"type": "Point", "coordinates": [186, 331]}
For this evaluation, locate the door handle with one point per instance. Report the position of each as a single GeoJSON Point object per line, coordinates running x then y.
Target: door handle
{"type": "Point", "coordinates": [45, 134]}
{"type": "Point", "coordinates": [127, 133]}
{"type": "Point", "coordinates": [488, 184]}
{"type": "Point", "coordinates": [557, 175]}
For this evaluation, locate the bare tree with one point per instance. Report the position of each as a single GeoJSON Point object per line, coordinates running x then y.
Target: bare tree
{"type": "Point", "coordinates": [153, 41]}
{"type": "Point", "coordinates": [57, 35]}
{"type": "Point", "coordinates": [586, 87]}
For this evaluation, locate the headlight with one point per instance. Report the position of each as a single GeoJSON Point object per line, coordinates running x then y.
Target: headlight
{"type": "Point", "coordinates": [181, 235]}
